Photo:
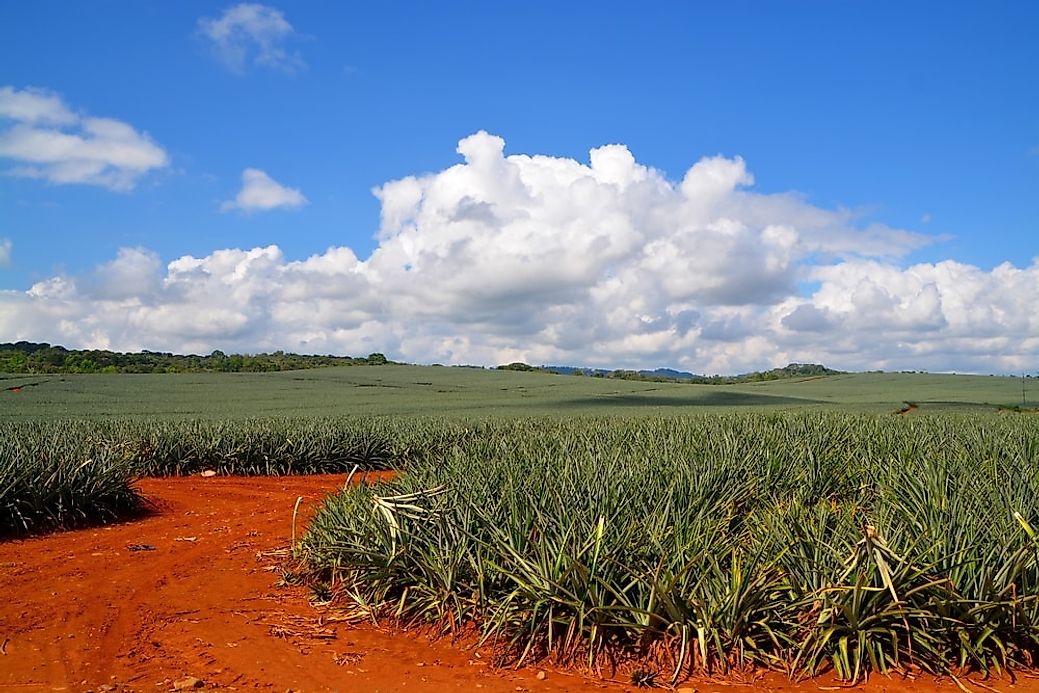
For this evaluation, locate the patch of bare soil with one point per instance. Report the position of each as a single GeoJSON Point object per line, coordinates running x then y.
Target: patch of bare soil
{"type": "Point", "coordinates": [189, 592]}
{"type": "Point", "coordinates": [17, 389]}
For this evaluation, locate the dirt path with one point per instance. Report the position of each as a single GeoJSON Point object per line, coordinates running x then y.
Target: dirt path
{"type": "Point", "coordinates": [83, 610]}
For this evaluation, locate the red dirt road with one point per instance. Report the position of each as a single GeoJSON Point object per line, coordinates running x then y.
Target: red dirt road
{"type": "Point", "coordinates": [83, 611]}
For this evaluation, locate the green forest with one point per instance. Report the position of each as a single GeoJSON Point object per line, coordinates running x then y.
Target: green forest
{"type": "Point", "coordinates": [40, 357]}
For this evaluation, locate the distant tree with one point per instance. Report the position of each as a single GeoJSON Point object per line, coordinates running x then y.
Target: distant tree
{"type": "Point", "coordinates": [517, 366]}
{"type": "Point", "coordinates": [13, 362]}
{"type": "Point", "coordinates": [49, 360]}
{"type": "Point", "coordinates": [376, 359]}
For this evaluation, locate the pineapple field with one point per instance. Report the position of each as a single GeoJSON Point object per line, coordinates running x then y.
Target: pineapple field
{"type": "Point", "coordinates": [636, 527]}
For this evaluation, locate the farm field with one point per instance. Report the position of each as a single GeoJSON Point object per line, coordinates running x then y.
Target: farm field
{"type": "Point", "coordinates": [466, 392]}
{"type": "Point", "coordinates": [82, 610]}
{"type": "Point", "coordinates": [653, 533]}
{"type": "Point", "coordinates": [519, 347]}
{"type": "Point", "coordinates": [803, 543]}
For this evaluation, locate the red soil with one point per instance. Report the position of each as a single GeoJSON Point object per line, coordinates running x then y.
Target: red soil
{"type": "Point", "coordinates": [82, 610]}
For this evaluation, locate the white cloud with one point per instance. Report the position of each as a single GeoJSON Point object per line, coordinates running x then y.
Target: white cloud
{"type": "Point", "coordinates": [34, 106]}
{"type": "Point", "coordinates": [251, 34]}
{"type": "Point", "coordinates": [551, 260]}
{"type": "Point", "coordinates": [47, 140]}
{"type": "Point", "coordinates": [261, 193]}
{"type": "Point", "coordinates": [5, 252]}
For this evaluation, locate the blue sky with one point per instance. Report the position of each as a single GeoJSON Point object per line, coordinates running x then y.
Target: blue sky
{"type": "Point", "coordinates": [911, 118]}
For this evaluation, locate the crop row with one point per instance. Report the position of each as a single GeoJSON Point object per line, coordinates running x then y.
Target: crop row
{"type": "Point", "coordinates": [797, 543]}
{"type": "Point", "coordinates": [703, 543]}
{"type": "Point", "coordinates": [54, 476]}
{"type": "Point", "coordinates": [67, 473]}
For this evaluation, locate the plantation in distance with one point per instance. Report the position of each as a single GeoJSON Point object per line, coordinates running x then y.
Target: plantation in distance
{"type": "Point", "coordinates": [798, 525]}
{"type": "Point", "coordinates": [401, 390]}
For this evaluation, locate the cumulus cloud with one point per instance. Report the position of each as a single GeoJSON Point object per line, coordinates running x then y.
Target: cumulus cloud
{"type": "Point", "coordinates": [545, 259]}
{"type": "Point", "coordinates": [34, 106]}
{"type": "Point", "coordinates": [261, 193]}
{"type": "Point", "coordinates": [5, 252]}
{"type": "Point", "coordinates": [251, 34]}
{"type": "Point", "coordinates": [48, 140]}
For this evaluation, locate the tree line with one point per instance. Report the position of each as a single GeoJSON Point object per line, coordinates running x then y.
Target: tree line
{"type": "Point", "coordinates": [40, 357]}
{"type": "Point", "coordinates": [664, 375]}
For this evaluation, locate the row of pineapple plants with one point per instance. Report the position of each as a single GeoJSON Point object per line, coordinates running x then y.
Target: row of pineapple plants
{"type": "Point", "coordinates": [699, 545]}
{"type": "Point", "coordinates": [57, 476]}
{"type": "Point", "coordinates": [63, 474]}
{"type": "Point", "coordinates": [856, 543]}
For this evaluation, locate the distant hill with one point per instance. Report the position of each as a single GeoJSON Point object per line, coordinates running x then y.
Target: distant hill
{"type": "Point", "coordinates": [40, 357]}
{"type": "Point", "coordinates": [793, 370]}
{"type": "Point", "coordinates": [667, 374]}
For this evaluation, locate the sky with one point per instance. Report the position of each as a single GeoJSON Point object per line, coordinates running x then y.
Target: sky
{"type": "Point", "coordinates": [715, 187]}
